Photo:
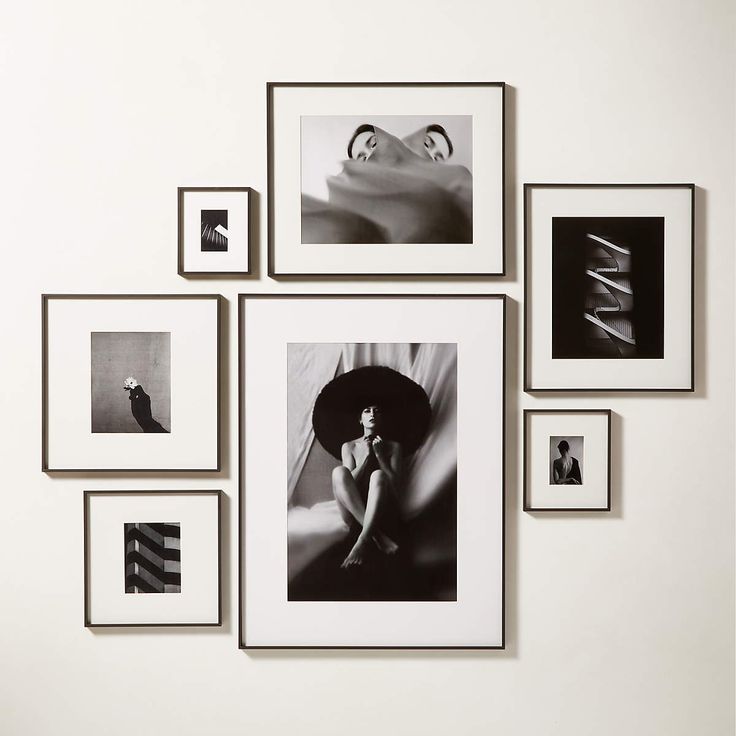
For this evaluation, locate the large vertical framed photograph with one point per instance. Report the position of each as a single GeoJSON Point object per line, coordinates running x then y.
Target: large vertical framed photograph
{"type": "Point", "coordinates": [131, 382]}
{"type": "Point", "coordinates": [372, 471]}
{"type": "Point", "coordinates": [152, 558]}
{"type": "Point", "coordinates": [214, 231]}
{"type": "Point", "coordinates": [567, 460]}
{"type": "Point", "coordinates": [609, 280]}
{"type": "Point", "coordinates": [385, 179]}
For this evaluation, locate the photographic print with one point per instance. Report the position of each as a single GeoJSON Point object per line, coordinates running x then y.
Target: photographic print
{"type": "Point", "coordinates": [118, 369]}
{"type": "Point", "coordinates": [386, 178]}
{"type": "Point", "coordinates": [358, 526]}
{"type": "Point", "coordinates": [214, 230]}
{"type": "Point", "coordinates": [123, 365]}
{"type": "Point", "coordinates": [153, 557]}
{"type": "Point", "coordinates": [567, 459]}
{"type": "Point", "coordinates": [609, 287]}
{"type": "Point", "coordinates": [365, 521]}
{"type": "Point", "coordinates": [165, 571]}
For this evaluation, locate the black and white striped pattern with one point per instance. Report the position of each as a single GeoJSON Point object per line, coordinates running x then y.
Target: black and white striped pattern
{"type": "Point", "coordinates": [153, 558]}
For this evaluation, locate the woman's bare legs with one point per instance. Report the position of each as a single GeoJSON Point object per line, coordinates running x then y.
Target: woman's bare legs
{"type": "Point", "coordinates": [350, 503]}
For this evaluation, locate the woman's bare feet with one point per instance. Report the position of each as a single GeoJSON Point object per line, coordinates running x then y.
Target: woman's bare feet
{"type": "Point", "coordinates": [385, 544]}
{"type": "Point", "coordinates": [357, 554]}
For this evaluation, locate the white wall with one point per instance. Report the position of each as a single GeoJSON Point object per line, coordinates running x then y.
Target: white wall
{"type": "Point", "coordinates": [618, 624]}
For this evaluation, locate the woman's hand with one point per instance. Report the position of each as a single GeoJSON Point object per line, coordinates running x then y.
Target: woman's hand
{"type": "Point", "coordinates": [379, 448]}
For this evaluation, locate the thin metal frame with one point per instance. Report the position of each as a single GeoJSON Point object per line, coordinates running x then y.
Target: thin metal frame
{"type": "Point", "coordinates": [45, 298]}
{"type": "Point", "coordinates": [525, 475]}
{"type": "Point", "coordinates": [89, 494]}
{"type": "Point", "coordinates": [181, 191]}
{"type": "Point", "coordinates": [270, 141]}
{"type": "Point", "coordinates": [242, 298]}
{"type": "Point", "coordinates": [528, 388]}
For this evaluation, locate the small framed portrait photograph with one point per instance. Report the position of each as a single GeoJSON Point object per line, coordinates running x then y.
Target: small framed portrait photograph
{"type": "Point", "coordinates": [214, 226]}
{"type": "Point", "coordinates": [152, 558]}
{"type": "Point", "coordinates": [384, 531]}
{"type": "Point", "coordinates": [385, 179]}
{"type": "Point", "coordinates": [567, 460]}
{"type": "Point", "coordinates": [609, 287]}
{"type": "Point", "coordinates": [131, 382]}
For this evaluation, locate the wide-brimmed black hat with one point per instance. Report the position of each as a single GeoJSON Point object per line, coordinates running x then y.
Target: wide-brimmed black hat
{"type": "Point", "coordinates": [405, 408]}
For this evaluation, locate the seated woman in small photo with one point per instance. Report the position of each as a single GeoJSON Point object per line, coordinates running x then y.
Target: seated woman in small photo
{"type": "Point", "coordinates": [140, 406]}
{"type": "Point", "coordinates": [566, 469]}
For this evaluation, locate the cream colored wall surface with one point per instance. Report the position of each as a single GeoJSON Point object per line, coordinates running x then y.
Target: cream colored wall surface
{"type": "Point", "coordinates": [619, 623]}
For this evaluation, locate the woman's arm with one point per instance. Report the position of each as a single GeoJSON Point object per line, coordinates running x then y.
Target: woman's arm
{"type": "Point", "coordinates": [389, 459]}
{"type": "Point", "coordinates": [348, 460]}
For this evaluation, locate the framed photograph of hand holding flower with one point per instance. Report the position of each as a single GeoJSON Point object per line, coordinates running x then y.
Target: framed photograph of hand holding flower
{"type": "Point", "coordinates": [131, 382]}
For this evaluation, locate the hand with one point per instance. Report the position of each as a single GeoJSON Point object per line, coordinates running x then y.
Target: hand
{"type": "Point", "coordinates": [379, 448]}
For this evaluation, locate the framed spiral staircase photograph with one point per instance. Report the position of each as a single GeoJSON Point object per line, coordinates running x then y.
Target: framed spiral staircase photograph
{"type": "Point", "coordinates": [609, 287]}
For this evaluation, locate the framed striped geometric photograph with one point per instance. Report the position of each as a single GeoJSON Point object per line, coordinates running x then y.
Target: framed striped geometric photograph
{"type": "Point", "coordinates": [140, 543]}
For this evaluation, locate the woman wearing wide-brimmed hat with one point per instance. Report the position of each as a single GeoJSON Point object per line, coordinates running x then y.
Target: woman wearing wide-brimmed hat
{"type": "Point", "coordinates": [390, 414]}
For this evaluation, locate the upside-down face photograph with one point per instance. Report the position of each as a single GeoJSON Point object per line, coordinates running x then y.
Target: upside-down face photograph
{"type": "Point", "coordinates": [131, 382]}
{"type": "Point", "coordinates": [366, 422]}
{"type": "Point", "coordinates": [387, 179]}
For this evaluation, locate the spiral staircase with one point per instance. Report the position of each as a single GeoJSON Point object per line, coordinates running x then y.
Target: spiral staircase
{"type": "Point", "coordinates": [609, 298]}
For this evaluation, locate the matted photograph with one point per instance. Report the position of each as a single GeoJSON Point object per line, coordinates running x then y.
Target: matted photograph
{"type": "Point", "coordinates": [391, 179]}
{"type": "Point", "coordinates": [365, 522]}
{"type": "Point", "coordinates": [362, 426]}
{"type": "Point", "coordinates": [120, 402]}
{"type": "Point", "coordinates": [567, 459]}
{"type": "Point", "coordinates": [164, 571]}
{"type": "Point", "coordinates": [130, 382]}
{"type": "Point", "coordinates": [215, 227]}
{"type": "Point", "coordinates": [609, 287]}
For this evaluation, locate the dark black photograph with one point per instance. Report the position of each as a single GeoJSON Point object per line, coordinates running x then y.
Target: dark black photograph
{"type": "Point", "coordinates": [214, 230]}
{"type": "Point", "coordinates": [372, 485]}
{"type": "Point", "coordinates": [607, 287]}
{"type": "Point", "coordinates": [566, 461]}
{"type": "Point", "coordinates": [387, 179]}
{"type": "Point", "coordinates": [131, 382]}
{"type": "Point", "coordinates": [153, 557]}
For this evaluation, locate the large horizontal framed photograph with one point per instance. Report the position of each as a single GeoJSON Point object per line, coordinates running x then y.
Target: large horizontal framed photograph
{"type": "Point", "coordinates": [214, 225]}
{"type": "Point", "coordinates": [152, 558]}
{"type": "Point", "coordinates": [131, 382]}
{"type": "Point", "coordinates": [385, 179]}
{"type": "Point", "coordinates": [609, 287]}
{"type": "Point", "coordinates": [567, 460]}
{"type": "Point", "coordinates": [372, 471]}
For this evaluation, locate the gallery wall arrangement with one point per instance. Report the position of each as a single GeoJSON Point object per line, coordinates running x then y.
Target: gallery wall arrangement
{"type": "Point", "coordinates": [372, 427]}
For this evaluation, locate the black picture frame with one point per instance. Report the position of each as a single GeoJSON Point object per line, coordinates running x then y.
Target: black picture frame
{"type": "Point", "coordinates": [88, 623]}
{"type": "Point", "coordinates": [526, 505]}
{"type": "Point", "coordinates": [242, 644]}
{"type": "Point", "coordinates": [45, 299]}
{"type": "Point", "coordinates": [181, 192]}
{"type": "Point", "coordinates": [272, 270]}
{"type": "Point", "coordinates": [528, 296]}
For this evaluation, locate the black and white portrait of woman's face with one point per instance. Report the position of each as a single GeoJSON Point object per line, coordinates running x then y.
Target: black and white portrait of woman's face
{"type": "Point", "coordinates": [370, 418]}
{"type": "Point", "coordinates": [387, 179]}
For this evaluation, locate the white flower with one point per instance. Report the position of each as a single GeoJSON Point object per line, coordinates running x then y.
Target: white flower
{"type": "Point", "coordinates": [130, 383]}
